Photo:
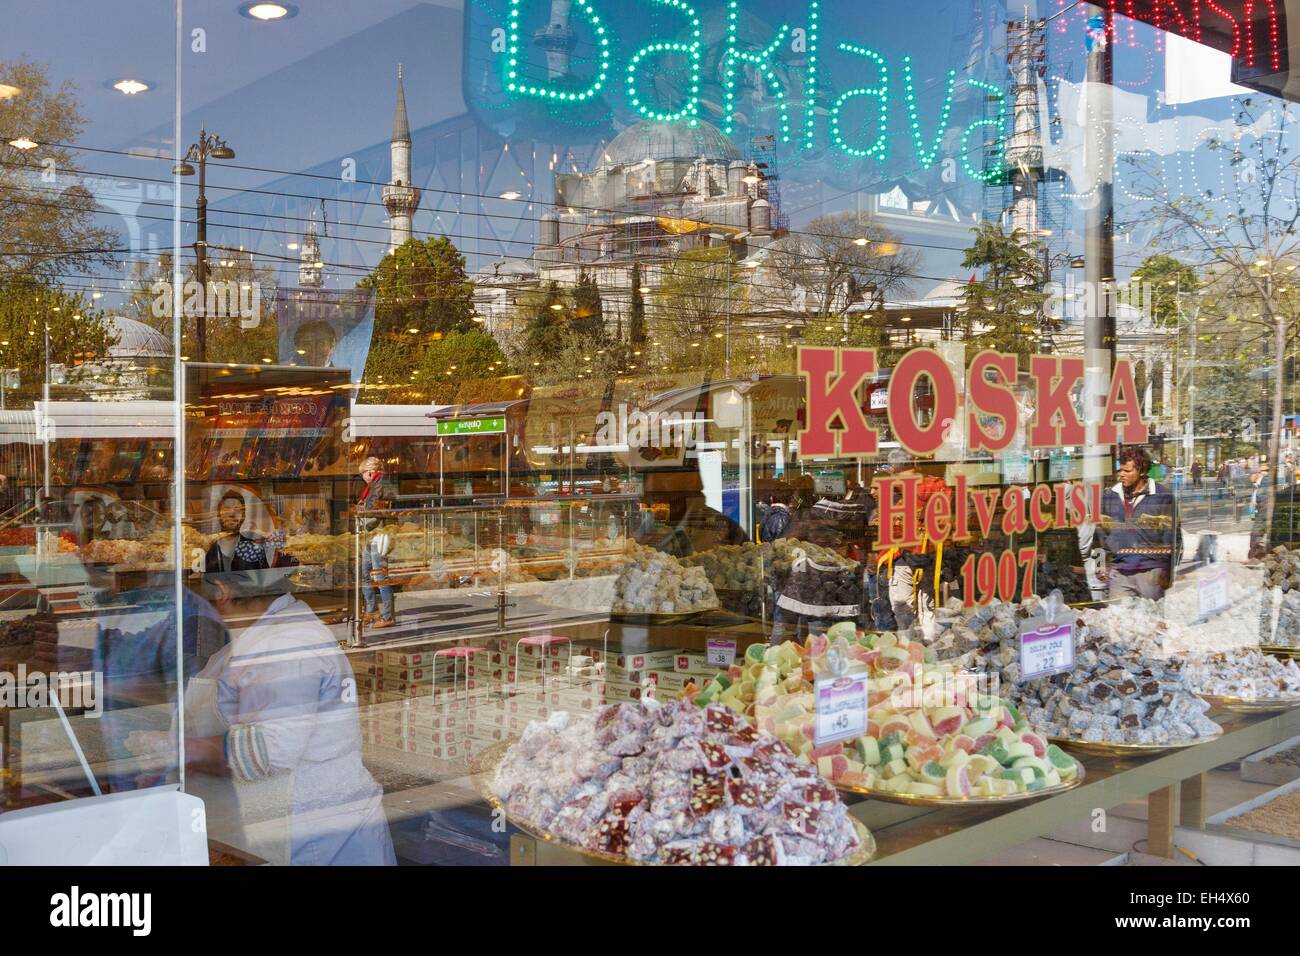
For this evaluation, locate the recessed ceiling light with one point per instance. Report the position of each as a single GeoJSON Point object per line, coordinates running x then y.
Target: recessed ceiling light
{"type": "Point", "coordinates": [510, 195]}
{"type": "Point", "coordinates": [22, 142]}
{"type": "Point", "coordinates": [266, 11]}
{"type": "Point", "coordinates": [8, 92]}
{"type": "Point", "coordinates": [130, 87]}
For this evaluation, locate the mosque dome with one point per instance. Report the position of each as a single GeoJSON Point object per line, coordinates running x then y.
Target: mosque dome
{"type": "Point", "coordinates": [136, 340]}
{"type": "Point", "coordinates": [677, 139]}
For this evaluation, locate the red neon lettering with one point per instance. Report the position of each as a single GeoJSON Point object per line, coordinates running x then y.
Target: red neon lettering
{"type": "Point", "coordinates": [1042, 496]}
{"type": "Point", "coordinates": [1236, 31]}
{"type": "Point", "coordinates": [916, 363]}
{"type": "Point", "coordinates": [962, 521]}
{"type": "Point", "coordinates": [1122, 400]}
{"type": "Point", "coordinates": [992, 398]}
{"type": "Point", "coordinates": [826, 403]}
{"type": "Point", "coordinates": [1055, 376]}
{"type": "Point", "coordinates": [938, 524]}
{"type": "Point", "coordinates": [902, 513]}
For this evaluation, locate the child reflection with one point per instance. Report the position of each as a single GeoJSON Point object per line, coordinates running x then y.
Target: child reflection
{"type": "Point", "coordinates": [276, 712]}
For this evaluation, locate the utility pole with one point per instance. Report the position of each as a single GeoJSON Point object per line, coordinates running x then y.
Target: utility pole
{"type": "Point", "coordinates": [1099, 235]}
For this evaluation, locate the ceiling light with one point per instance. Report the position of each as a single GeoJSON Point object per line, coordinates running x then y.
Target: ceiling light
{"type": "Point", "coordinates": [510, 195]}
{"type": "Point", "coordinates": [266, 12]}
{"type": "Point", "coordinates": [860, 241]}
{"type": "Point", "coordinates": [556, 307]}
{"type": "Point", "coordinates": [22, 142]}
{"type": "Point", "coordinates": [292, 246]}
{"type": "Point", "coordinates": [414, 331]}
{"type": "Point", "coordinates": [130, 87]}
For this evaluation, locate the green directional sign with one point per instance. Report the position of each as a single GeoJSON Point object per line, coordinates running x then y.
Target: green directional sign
{"type": "Point", "coordinates": [473, 426]}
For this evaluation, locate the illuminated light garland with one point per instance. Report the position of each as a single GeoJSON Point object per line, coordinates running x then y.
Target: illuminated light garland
{"type": "Point", "coordinates": [880, 147]}
{"type": "Point", "coordinates": [999, 143]}
{"type": "Point", "coordinates": [810, 86]}
{"type": "Point", "coordinates": [692, 50]}
{"type": "Point", "coordinates": [550, 93]}
{"type": "Point", "coordinates": [1249, 30]}
{"type": "Point", "coordinates": [762, 61]}
{"type": "Point", "coordinates": [924, 156]}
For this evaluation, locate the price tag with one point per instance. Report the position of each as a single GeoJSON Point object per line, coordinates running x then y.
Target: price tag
{"type": "Point", "coordinates": [1212, 590]}
{"type": "Point", "coordinates": [720, 652]}
{"type": "Point", "coordinates": [841, 708]}
{"type": "Point", "coordinates": [1046, 648]}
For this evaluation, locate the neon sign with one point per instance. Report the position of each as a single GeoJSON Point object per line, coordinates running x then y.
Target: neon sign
{"type": "Point", "coordinates": [1252, 32]}
{"type": "Point", "coordinates": [675, 60]}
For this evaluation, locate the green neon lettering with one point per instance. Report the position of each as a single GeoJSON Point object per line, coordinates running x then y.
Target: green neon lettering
{"type": "Point", "coordinates": [879, 148]}
{"type": "Point", "coordinates": [520, 85]}
{"type": "Point", "coordinates": [692, 105]}
{"type": "Point", "coordinates": [762, 60]}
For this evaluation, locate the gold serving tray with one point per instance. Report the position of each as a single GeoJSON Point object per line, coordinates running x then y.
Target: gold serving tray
{"type": "Point", "coordinates": [1127, 750]}
{"type": "Point", "coordinates": [1280, 650]}
{"type": "Point", "coordinates": [1251, 705]}
{"type": "Point", "coordinates": [922, 800]}
{"type": "Point", "coordinates": [483, 768]}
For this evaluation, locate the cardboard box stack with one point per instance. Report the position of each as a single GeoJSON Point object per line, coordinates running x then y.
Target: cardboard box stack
{"type": "Point", "coordinates": [410, 702]}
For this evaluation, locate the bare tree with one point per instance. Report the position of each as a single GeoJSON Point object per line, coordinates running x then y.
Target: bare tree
{"type": "Point", "coordinates": [1244, 239]}
{"type": "Point", "coordinates": [836, 260]}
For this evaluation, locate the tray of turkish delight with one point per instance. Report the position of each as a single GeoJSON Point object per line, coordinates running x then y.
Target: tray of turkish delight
{"type": "Point", "coordinates": [652, 783]}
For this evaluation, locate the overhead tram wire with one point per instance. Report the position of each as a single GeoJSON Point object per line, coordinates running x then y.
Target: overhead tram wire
{"type": "Point", "coordinates": [314, 198]}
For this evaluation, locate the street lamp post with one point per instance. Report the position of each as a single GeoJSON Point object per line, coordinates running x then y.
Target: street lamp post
{"type": "Point", "coordinates": [209, 146]}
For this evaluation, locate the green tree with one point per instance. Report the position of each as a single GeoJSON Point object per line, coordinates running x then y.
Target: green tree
{"type": "Point", "coordinates": [47, 219]}
{"type": "Point", "coordinates": [636, 312]}
{"type": "Point", "coordinates": [546, 314]}
{"type": "Point", "coordinates": [463, 367]}
{"type": "Point", "coordinates": [1004, 307]}
{"type": "Point", "coordinates": [588, 310]}
{"type": "Point", "coordinates": [1167, 280]}
{"type": "Point", "coordinates": [78, 334]}
{"type": "Point", "coordinates": [700, 292]}
{"type": "Point", "coordinates": [422, 284]}
{"type": "Point", "coordinates": [422, 293]}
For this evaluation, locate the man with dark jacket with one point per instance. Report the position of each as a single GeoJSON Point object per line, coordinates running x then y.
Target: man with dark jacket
{"type": "Point", "coordinates": [1140, 531]}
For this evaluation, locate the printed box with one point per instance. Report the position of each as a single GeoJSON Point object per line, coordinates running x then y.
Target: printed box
{"type": "Point", "coordinates": [672, 680]}
{"type": "Point", "coordinates": [621, 662]}
{"type": "Point", "coordinates": [694, 662]}
{"type": "Point", "coordinates": [620, 693]}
